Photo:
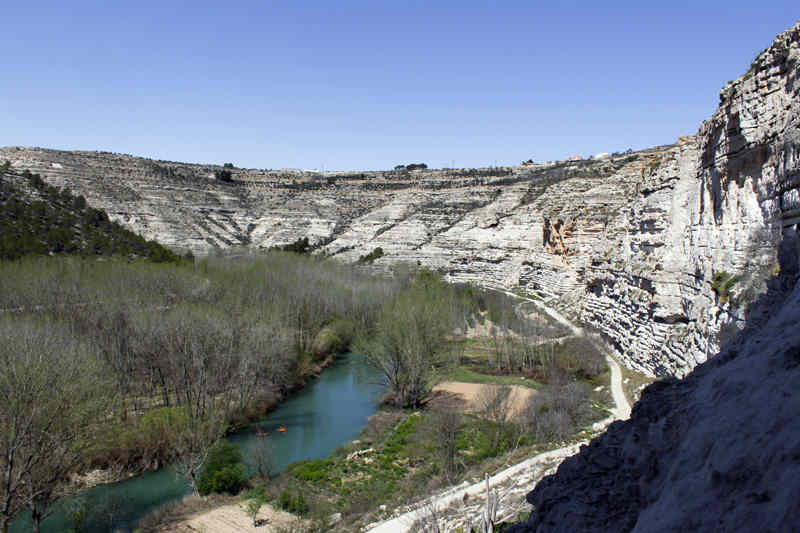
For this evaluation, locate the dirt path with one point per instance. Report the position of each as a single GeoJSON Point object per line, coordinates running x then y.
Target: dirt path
{"type": "Point", "coordinates": [552, 313]}
{"type": "Point", "coordinates": [621, 409]}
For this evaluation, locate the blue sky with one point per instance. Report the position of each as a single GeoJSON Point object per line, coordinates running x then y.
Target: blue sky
{"type": "Point", "coordinates": [368, 85]}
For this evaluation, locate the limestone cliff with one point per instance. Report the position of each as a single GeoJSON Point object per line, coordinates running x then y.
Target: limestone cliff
{"type": "Point", "coordinates": [628, 244]}
{"type": "Point", "coordinates": [716, 451]}
{"type": "Point", "coordinates": [720, 449]}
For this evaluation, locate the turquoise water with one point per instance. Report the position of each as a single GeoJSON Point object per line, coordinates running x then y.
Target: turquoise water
{"type": "Point", "coordinates": [329, 412]}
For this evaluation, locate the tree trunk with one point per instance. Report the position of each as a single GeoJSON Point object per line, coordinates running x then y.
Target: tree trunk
{"type": "Point", "coordinates": [194, 484]}
{"type": "Point", "coordinates": [36, 517]}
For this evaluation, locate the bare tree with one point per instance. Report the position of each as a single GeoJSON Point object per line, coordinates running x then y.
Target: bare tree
{"type": "Point", "coordinates": [492, 405]}
{"type": "Point", "coordinates": [445, 425]}
{"type": "Point", "coordinates": [193, 442]}
{"type": "Point", "coordinates": [429, 520]}
{"type": "Point", "coordinates": [409, 342]}
{"type": "Point", "coordinates": [259, 456]}
{"type": "Point", "coordinates": [51, 392]}
{"type": "Point", "coordinates": [489, 515]}
{"type": "Point", "coordinates": [557, 410]}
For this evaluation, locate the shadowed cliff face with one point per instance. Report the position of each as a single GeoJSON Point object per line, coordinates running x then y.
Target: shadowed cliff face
{"type": "Point", "coordinates": [628, 245]}
{"type": "Point", "coordinates": [716, 451]}
{"type": "Point", "coordinates": [720, 449]}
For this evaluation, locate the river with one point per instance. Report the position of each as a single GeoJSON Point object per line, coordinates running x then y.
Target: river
{"type": "Point", "coordinates": [330, 411]}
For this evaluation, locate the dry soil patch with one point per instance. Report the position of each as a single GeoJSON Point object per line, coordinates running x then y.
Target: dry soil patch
{"type": "Point", "coordinates": [233, 519]}
{"type": "Point", "coordinates": [470, 394]}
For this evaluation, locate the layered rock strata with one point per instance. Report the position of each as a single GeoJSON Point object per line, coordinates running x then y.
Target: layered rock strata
{"type": "Point", "coordinates": [716, 451]}
{"type": "Point", "coordinates": [628, 244]}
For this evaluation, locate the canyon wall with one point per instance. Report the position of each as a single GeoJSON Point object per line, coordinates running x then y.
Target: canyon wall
{"type": "Point", "coordinates": [718, 450]}
{"type": "Point", "coordinates": [629, 244]}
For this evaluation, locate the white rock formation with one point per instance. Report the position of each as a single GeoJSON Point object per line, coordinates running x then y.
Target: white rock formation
{"type": "Point", "coordinates": [628, 245]}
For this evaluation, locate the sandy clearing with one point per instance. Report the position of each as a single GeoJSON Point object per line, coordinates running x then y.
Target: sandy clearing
{"type": "Point", "coordinates": [233, 519]}
{"type": "Point", "coordinates": [470, 393]}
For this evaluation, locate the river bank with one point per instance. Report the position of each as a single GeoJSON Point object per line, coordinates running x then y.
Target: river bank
{"type": "Point", "coordinates": [397, 457]}
{"type": "Point", "coordinates": [463, 505]}
{"type": "Point", "coordinates": [115, 473]}
{"type": "Point", "coordinates": [328, 412]}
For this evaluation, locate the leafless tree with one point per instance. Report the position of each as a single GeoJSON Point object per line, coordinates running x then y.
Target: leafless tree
{"type": "Point", "coordinates": [430, 520]}
{"type": "Point", "coordinates": [51, 392]}
{"type": "Point", "coordinates": [445, 425]}
{"type": "Point", "coordinates": [557, 410]}
{"type": "Point", "coordinates": [259, 456]}
{"type": "Point", "coordinates": [492, 404]}
{"type": "Point", "coordinates": [489, 515]}
{"type": "Point", "coordinates": [409, 342]}
{"type": "Point", "coordinates": [193, 442]}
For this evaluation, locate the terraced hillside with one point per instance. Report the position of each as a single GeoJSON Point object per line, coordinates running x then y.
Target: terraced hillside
{"type": "Point", "coordinates": [662, 250]}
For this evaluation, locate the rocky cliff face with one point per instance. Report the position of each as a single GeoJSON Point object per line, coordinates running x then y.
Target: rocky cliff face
{"type": "Point", "coordinates": [628, 245]}
{"type": "Point", "coordinates": [716, 451]}
{"type": "Point", "coordinates": [721, 202]}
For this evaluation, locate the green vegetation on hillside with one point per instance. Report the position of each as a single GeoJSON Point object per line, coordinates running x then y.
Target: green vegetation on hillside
{"type": "Point", "coordinates": [47, 220]}
{"type": "Point", "coordinates": [370, 258]}
{"type": "Point", "coordinates": [722, 284]}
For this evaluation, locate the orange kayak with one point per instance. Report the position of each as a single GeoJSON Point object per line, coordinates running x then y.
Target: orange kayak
{"type": "Point", "coordinates": [282, 429]}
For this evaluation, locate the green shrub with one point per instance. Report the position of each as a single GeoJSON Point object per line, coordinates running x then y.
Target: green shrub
{"type": "Point", "coordinates": [312, 471]}
{"type": "Point", "coordinates": [300, 246]}
{"type": "Point", "coordinates": [223, 471]}
{"type": "Point", "coordinates": [258, 493]}
{"type": "Point", "coordinates": [377, 253]}
{"type": "Point", "coordinates": [293, 502]}
{"type": "Point", "coordinates": [722, 284]}
{"type": "Point", "coordinates": [334, 338]}
{"type": "Point", "coordinates": [230, 479]}
{"type": "Point", "coordinates": [224, 175]}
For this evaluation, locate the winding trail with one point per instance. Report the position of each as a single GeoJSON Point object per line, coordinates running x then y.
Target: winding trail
{"type": "Point", "coordinates": [552, 313]}
{"type": "Point", "coordinates": [532, 469]}
{"type": "Point", "coordinates": [621, 409]}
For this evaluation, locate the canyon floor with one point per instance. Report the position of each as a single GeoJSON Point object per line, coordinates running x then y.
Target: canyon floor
{"type": "Point", "coordinates": [462, 505]}
{"type": "Point", "coordinates": [453, 507]}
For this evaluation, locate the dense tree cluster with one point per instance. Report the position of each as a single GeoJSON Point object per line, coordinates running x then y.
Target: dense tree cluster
{"type": "Point", "coordinates": [300, 246]}
{"type": "Point", "coordinates": [49, 220]}
{"type": "Point", "coordinates": [224, 175]}
{"type": "Point", "coordinates": [370, 258]}
{"type": "Point", "coordinates": [175, 354]}
{"type": "Point", "coordinates": [412, 166]}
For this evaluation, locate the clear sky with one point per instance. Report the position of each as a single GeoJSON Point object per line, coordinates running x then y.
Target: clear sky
{"type": "Point", "coordinates": [368, 85]}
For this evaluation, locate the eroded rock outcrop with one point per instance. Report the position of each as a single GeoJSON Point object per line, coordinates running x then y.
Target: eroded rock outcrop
{"type": "Point", "coordinates": [716, 451]}
{"type": "Point", "coordinates": [720, 449]}
{"type": "Point", "coordinates": [628, 244]}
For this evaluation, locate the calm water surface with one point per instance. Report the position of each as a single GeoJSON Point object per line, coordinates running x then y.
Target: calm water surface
{"type": "Point", "coordinates": [329, 412]}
